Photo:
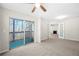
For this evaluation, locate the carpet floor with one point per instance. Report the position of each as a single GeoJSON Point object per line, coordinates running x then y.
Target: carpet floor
{"type": "Point", "coordinates": [52, 47]}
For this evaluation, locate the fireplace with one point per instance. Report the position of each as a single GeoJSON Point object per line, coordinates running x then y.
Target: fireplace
{"type": "Point", "coordinates": [54, 32]}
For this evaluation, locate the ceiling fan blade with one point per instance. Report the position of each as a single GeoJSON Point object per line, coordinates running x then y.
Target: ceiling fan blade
{"type": "Point", "coordinates": [43, 8]}
{"type": "Point", "coordinates": [33, 9]}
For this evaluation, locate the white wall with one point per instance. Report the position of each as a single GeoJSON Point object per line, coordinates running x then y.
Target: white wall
{"type": "Point", "coordinates": [3, 33]}
{"type": "Point", "coordinates": [71, 28]}
{"type": "Point", "coordinates": [37, 36]}
{"type": "Point", "coordinates": [0, 32]}
{"type": "Point", "coordinates": [44, 29]}
{"type": "Point", "coordinates": [5, 14]}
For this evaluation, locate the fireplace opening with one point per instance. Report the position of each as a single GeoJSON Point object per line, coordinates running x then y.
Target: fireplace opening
{"type": "Point", "coordinates": [54, 32]}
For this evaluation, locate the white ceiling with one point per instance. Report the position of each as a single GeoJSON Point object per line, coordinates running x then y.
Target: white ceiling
{"type": "Point", "coordinates": [53, 10]}
{"type": "Point", "coordinates": [59, 9]}
{"type": "Point", "coordinates": [19, 7]}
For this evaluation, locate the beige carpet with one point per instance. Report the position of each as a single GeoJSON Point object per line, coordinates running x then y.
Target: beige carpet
{"type": "Point", "coordinates": [47, 48]}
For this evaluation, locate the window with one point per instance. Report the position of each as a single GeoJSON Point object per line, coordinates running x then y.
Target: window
{"type": "Point", "coordinates": [18, 25]}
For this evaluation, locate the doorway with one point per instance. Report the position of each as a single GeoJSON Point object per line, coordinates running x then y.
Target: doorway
{"type": "Point", "coordinates": [20, 33]}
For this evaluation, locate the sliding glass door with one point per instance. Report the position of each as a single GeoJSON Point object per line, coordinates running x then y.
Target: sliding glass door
{"type": "Point", "coordinates": [21, 32]}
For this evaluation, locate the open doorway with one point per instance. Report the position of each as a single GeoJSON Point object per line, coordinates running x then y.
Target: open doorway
{"type": "Point", "coordinates": [21, 32]}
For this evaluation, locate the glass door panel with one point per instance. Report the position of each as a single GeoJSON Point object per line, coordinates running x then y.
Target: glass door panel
{"type": "Point", "coordinates": [16, 33]}
{"type": "Point", "coordinates": [11, 30]}
{"type": "Point", "coordinates": [19, 33]}
{"type": "Point", "coordinates": [28, 32]}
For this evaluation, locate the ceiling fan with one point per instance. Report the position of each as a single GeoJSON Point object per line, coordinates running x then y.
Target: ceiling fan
{"type": "Point", "coordinates": [40, 5]}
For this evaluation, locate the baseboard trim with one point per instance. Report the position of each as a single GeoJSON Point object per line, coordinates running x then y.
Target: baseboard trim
{"type": "Point", "coordinates": [71, 39]}
{"type": "Point", "coordinates": [3, 51]}
{"type": "Point", "coordinates": [44, 40]}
